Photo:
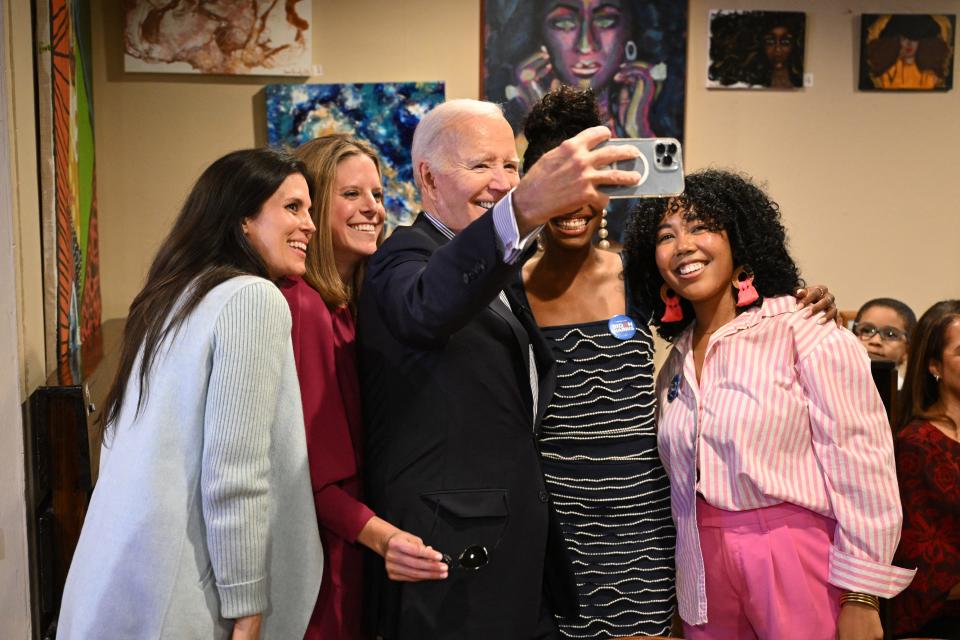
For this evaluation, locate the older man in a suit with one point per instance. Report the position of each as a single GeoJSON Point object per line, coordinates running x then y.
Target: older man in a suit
{"type": "Point", "coordinates": [455, 379]}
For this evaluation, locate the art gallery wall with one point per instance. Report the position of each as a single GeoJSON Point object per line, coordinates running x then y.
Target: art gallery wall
{"type": "Point", "coordinates": [860, 176]}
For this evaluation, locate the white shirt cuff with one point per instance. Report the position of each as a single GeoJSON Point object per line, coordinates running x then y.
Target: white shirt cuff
{"type": "Point", "coordinates": [508, 235]}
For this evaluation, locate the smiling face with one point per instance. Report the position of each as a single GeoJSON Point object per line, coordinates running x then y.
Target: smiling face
{"type": "Point", "coordinates": [476, 165]}
{"type": "Point", "coordinates": [356, 212]}
{"type": "Point", "coordinates": [694, 261]}
{"type": "Point", "coordinates": [281, 230]}
{"type": "Point", "coordinates": [586, 40]}
{"type": "Point", "coordinates": [572, 231]}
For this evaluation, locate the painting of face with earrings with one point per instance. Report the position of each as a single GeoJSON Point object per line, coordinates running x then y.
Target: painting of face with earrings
{"type": "Point", "coordinates": [632, 53]}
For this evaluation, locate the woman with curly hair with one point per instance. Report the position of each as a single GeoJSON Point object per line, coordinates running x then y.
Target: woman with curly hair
{"type": "Point", "coordinates": [909, 54]}
{"type": "Point", "coordinates": [777, 446]}
{"type": "Point", "coordinates": [598, 440]}
{"type": "Point", "coordinates": [928, 466]}
{"type": "Point", "coordinates": [598, 435]}
{"type": "Point", "coordinates": [757, 49]}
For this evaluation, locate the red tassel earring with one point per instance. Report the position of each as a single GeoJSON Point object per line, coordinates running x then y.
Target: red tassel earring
{"type": "Point", "coordinates": [743, 283]}
{"type": "Point", "coordinates": [673, 312]}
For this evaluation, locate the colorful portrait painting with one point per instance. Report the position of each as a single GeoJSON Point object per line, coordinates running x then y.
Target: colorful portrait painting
{"type": "Point", "coordinates": [906, 52]}
{"type": "Point", "coordinates": [218, 36]}
{"type": "Point", "coordinates": [383, 114]}
{"type": "Point", "coordinates": [632, 53]}
{"type": "Point", "coordinates": [756, 49]}
{"type": "Point", "coordinates": [71, 262]}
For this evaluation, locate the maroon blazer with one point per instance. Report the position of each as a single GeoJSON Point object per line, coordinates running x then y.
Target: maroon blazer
{"type": "Point", "coordinates": [323, 346]}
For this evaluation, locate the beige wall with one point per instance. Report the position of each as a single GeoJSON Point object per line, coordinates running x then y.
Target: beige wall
{"type": "Point", "coordinates": [21, 314]}
{"type": "Point", "coordinates": [864, 179]}
{"type": "Point", "coordinates": [869, 183]}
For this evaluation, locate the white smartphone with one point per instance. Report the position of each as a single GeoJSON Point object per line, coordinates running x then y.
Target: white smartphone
{"type": "Point", "coordinates": [660, 166]}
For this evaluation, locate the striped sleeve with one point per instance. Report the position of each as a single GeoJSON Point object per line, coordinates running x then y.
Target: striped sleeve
{"type": "Point", "coordinates": [854, 446]}
{"type": "Point", "coordinates": [242, 395]}
{"type": "Point", "coordinates": [511, 244]}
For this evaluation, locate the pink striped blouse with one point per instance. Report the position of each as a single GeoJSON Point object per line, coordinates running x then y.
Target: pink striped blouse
{"type": "Point", "coordinates": [786, 411]}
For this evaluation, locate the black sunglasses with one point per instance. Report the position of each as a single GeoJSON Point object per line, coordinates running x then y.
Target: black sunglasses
{"type": "Point", "coordinates": [472, 558]}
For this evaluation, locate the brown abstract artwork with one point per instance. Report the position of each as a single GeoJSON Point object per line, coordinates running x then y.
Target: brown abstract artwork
{"type": "Point", "coordinates": [233, 37]}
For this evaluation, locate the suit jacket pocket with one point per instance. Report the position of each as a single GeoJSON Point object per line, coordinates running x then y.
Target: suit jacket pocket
{"type": "Point", "coordinates": [469, 503]}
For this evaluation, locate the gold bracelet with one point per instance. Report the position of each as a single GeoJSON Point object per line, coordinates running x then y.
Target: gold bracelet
{"type": "Point", "coordinates": [860, 598]}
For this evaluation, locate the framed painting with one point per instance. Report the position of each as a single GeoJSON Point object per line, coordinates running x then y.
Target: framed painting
{"type": "Point", "coordinates": [237, 37]}
{"type": "Point", "coordinates": [383, 114]}
{"type": "Point", "coordinates": [632, 53]}
{"type": "Point", "coordinates": [756, 49]}
{"type": "Point", "coordinates": [906, 52]}
{"type": "Point", "coordinates": [71, 258]}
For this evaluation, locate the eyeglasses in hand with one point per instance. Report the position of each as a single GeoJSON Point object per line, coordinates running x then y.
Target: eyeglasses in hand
{"type": "Point", "coordinates": [865, 331]}
{"type": "Point", "coordinates": [473, 557]}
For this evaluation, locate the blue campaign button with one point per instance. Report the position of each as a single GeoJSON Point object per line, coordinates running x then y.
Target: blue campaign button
{"type": "Point", "coordinates": [674, 388]}
{"type": "Point", "coordinates": [622, 327]}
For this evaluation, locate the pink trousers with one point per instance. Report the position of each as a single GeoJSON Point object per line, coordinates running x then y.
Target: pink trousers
{"type": "Point", "coordinates": [766, 572]}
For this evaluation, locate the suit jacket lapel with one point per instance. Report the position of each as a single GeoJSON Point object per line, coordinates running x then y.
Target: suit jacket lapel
{"type": "Point", "coordinates": [518, 326]}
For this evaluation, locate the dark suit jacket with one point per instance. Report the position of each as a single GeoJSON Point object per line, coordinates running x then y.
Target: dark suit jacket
{"type": "Point", "coordinates": [451, 444]}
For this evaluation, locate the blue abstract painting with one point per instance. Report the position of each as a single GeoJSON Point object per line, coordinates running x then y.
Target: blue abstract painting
{"type": "Point", "coordinates": [383, 114]}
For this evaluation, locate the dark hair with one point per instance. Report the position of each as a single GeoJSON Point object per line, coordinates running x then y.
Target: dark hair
{"type": "Point", "coordinates": [205, 247]}
{"type": "Point", "coordinates": [906, 313]}
{"type": "Point", "coordinates": [723, 201]}
{"type": "Point", "coordinates": [659, 34]}
{"type": "Point", "coordinates": [932, 52]}
{"type": "Point", "coordinates": [558, 115]}
{"type": "Point", "coordinates": [737, 49]}
{"type": "Point", "coordinates": [927, 343]}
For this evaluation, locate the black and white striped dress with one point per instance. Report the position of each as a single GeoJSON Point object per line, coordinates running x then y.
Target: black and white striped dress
{"type": "Point", "coordinates": [609, 489]}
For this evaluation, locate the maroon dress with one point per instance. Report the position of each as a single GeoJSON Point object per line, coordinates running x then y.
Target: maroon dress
{"type": "Point", "coordinates": [323, 346]}
{"type": "Point", "coordinates": [928, 470]}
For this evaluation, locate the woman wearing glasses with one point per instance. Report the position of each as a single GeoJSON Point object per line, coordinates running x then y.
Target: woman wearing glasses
{"type": "Point", "coordinates": [884, 326]}
{"type": "Point", "coordinates": [928, 466]}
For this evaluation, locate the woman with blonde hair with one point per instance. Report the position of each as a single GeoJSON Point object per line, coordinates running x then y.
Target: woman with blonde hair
{"type": "Point", "coordinates": [349, 215]}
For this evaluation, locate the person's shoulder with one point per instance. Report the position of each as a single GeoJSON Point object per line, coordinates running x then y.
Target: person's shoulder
{"type": "Point", "coordinates": [300, 295]}
{"type": "Point", "coordinates": [252, 297]}
{"type": "Point", "coordinates": [807, 332]}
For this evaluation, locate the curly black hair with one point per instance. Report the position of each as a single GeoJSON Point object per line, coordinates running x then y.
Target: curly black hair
{"type": "Point", "coordinates": [723, 201]}
{"type": "Point", "coordinates": [558, 115]}
{"type": "Point", "coordinates": [737, 50]}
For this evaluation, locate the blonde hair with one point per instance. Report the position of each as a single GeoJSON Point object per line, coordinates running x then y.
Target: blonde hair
{"type": "Point", "coordinates": [322, 156]}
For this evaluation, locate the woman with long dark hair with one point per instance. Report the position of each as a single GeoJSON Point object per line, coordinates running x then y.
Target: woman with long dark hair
{"type": "Point", "coordinates": [928, 467]}
{"type": "Point", "coordinates": [202, 524]}
{"type": "Point", "coordinates": [777, 445]}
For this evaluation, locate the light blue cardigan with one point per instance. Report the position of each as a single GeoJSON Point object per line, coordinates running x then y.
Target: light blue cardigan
{"type": "Point", "coordinates": [203, 509]}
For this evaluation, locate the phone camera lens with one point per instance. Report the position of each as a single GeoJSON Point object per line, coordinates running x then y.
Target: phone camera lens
{"type": "Point", "coordinates": [671, 148]}
{"type": "Point", "coordinates": [660, 148]}
{"type": "Point", "coordinates": [667, 161]}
